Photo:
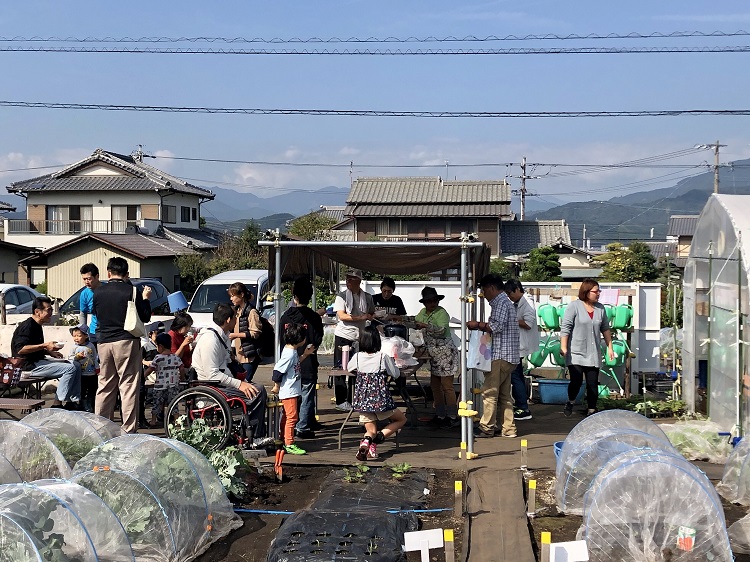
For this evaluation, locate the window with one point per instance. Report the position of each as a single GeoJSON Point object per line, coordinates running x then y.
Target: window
{"type": "Point", "coordinates": [195, 214]}
{"type": "Point", "coordinates": [69, 219]}
{"type": "Point", "coordinates": [169, 214]}
{"type": "Point", "coordinates": [124, 216]}
{"type": "Point", "coordinates": [185, 214]}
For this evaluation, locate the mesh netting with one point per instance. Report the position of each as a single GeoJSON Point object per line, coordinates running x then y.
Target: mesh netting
{"type": "Point", "coordinates": [592, 429]}
{"type": "Point", "coordinates": [104, 427]}
{"type": "Point", "coordinates": [579, 471]}
{"type": "Point", "coordinates": [31, 452]}
{"type": "Point", "coordinates": [699, 440]}
{"type": "Point", "coordinates": [159, 486]}
{"type": "Point", "coordinates": [8, 473]}
{"type": "Point", "coordinates": [735, 482]}
{"type": "Point", "coordinates": [651, 506]}
{"type": "Point", "coordinates": [60, 521]}
{"type": "Point", "coordinates": [74, 435]}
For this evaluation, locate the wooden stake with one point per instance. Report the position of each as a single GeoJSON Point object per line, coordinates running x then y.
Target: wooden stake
{"type": "Point", "coordinates": [524, 453]}
{"type": "Point", "coordinates": [450, 550]}
{"type": "Point", "coordinates": [531, 506]}
{"type": "Point", "coordinates": [458, 509]}
{"type": "Point", "coordinates": [546, 540]}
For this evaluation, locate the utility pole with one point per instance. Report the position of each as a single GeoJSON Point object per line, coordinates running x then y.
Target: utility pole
{"type": "Point", "coordinates": [523, 187]}
{"type": "Point", "coordinates": [716, 148]}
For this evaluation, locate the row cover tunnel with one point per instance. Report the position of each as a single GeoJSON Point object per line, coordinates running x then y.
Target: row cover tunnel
{"type": "Point", "coordinates": [73, 489]}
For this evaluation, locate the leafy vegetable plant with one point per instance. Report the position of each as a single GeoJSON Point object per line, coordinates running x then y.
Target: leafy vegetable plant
{"type": "Point", "coordinates": [399, 471]}
{"type": "Point", "coordinates": [356, 473]}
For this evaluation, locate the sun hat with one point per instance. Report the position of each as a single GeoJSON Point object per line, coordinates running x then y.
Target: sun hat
{"type": "Point", "coordinates": [82, 327]}
{"type": "Point", "coordinates": [430, 293]}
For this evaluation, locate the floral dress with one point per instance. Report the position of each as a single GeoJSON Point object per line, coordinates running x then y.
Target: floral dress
{"type": "Point", "coordinates": [371, 393]}
{"type": "Point", "coordinates": [443, 352]}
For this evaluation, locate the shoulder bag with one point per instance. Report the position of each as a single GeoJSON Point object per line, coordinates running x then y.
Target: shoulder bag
{"type": "Point", "coordinates": [133, 322]}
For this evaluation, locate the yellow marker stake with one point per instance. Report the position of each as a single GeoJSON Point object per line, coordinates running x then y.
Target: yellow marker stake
{"type": "Point", "coordinates": [546, 540]}
{"type": "Point", "coordinates": [531, 506]}
{"type": "Point", "coordinates": [458, 508]}
{"type": "Point", "coordinates": [524, 453]}
{"type": "Point", "coordinates": [450, 549]}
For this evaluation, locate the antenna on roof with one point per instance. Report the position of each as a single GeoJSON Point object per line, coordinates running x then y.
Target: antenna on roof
{"type": "Point", "coordinates": [138, 154]}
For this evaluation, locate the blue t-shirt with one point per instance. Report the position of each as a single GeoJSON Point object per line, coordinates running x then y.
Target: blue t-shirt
{"type": "Point", "coordinates": [86, 305]}
{"type": "Point", "coordinates": [288, 364]}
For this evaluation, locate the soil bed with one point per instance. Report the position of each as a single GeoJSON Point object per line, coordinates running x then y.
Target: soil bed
{"type": "Point", "coordinates": [564, 527]}
{"type": "Point", "coordinates": [301, 485]}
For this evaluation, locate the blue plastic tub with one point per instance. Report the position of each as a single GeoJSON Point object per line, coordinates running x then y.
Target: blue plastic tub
{"type": "Point", "coordinates": [557, 446]}
{"type": "Point", "coordinates": [555, 391]}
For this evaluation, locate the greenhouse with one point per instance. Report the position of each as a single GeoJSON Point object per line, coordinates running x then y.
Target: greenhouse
{"type": "Point", "coordinates": [649, 506]}
{"type": "Point", "coordinates": [716, 311]}
{"type": "Point", "coordinates": [166, 495]}
{"type": "Point", "coordinates": [31, 452]}
{"type": "Point", "coordinates": [72, 433]}
{"type": "Point", "coordinates": [58, 520]}
{"type": "Point", "coordinates": [579, 471]}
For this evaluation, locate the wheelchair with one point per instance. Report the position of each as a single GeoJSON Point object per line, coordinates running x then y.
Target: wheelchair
{"type": "Point", "coordinates": [224, 414]}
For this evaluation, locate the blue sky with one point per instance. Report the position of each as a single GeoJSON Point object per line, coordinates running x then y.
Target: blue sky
{"type": "Point", "coordinates": [40, 137]}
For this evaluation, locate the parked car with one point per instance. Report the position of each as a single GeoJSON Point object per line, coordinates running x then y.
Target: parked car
{"type": "Point", "coordinates": [214, 291]}
{"type": "Point", "coordinates": [18, 298]}
{"type": "Point", "coordinates": [158, 298]}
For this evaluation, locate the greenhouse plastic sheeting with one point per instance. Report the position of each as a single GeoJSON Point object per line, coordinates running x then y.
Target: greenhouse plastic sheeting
{"type": "Point", "coordinates": [322, 536]}
{"type": "Point", "coordinates": [58, 520]}
{"type": "Point", "coordinates": [735, 482]}
{"type": "Point", "coordinates": [159, 483]}
{"type": "Point", "coordinates": [31, 452]}
{"type": "Point", "coordinates": [8, 472]}
{"type": "Point", "coordinates": [580, 470]}
{"type": "Point", "coordinates": [72, 434]}
{"type": "Point", "coordinates": [651, 506]}
{"type": "Point", "coordinates": [739, 535]}
{"type": "Point", "coordinates": [699, 440]}
{"type": "Point", "coordinates": [379, 491]}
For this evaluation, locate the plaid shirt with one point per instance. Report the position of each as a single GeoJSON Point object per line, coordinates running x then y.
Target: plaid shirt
{"type": "Point", "coordinates": [504, 325]}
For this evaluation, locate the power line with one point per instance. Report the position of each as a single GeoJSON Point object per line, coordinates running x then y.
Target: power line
{"type": "Point", "coordinates": [390, 39]}
{"type": "Point", "coordinates": [374, 52]}
{"type": "Point", "coordinates": [379, 113]}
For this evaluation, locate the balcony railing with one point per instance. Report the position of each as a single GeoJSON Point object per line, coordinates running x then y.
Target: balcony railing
{"type": "Point", "coordinates": [433, 237]}
{"type": "Point", "coordinates": [23, 226]}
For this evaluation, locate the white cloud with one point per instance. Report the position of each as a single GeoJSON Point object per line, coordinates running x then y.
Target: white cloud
{"type": "Point", "coordinates": [292, 153]}
{"type": "Point", "coordinates": [704, 18]}
{"type": "Point", "coordinates": [349, 151]}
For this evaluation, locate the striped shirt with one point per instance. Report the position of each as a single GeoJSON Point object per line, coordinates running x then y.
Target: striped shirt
{"type": "Point", "coordinates": [504, 325]}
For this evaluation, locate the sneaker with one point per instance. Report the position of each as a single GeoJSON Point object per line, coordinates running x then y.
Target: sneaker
{"type": "Point", "coordinates": [568, 410]}
{"type": "Point", "coordinates": [372, 451]}
{"type": "Point", "coordinates": [304, 434]}
{"type": "Point", "coordinates": [294, 450]}
{"type": "Point", "coordinates": [521, 415]}
{"type": "Point", "coordinates": [450, 423]}
{"type": "Point", "coordinates": [509, 434]}
{"type": "Point", "coordinates": [479, 434]}
{"type": "Point", "coordinates": [364, 448]}
{"type": "Point", "coordinates": [344, 406]}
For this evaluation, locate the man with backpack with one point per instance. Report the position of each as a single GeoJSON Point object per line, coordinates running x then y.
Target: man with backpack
{"type": "Point", "coordinates": [300, 313]}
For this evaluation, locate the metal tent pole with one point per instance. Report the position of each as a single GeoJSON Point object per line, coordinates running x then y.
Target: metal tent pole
{"type": "Point", "coordinates": [277, 295]}
{"type": "Point", "coordinates": [467, 435]}
{"type": "Point", "coordinates": [708, 328]}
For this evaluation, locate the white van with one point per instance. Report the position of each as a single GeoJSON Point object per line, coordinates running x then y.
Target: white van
{"type": "Point", "coordinates": [214, 291]}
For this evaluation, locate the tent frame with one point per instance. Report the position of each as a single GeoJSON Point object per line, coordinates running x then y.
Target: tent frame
{"type": "Point", "coordinates": [466, 244]}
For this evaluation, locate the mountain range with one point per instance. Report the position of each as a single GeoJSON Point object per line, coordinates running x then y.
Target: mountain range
{"type": "Point", "coordinates": [645, 215]}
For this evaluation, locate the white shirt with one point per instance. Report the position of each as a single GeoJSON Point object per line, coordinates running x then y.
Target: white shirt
{"type": "Point", "coordinates": [528, 341]}
{"type": "Point", "coordinates": [291, 384]}
{"type": "Point", "coordinates": [373, 363]}
{"type": "Point", "coordinates": [210, 356]}
{"type": "Point", "coordinates": [346, 328]}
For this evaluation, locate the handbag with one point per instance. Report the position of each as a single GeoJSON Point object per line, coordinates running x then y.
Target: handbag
{"type": "Point", "coordinates": [480, 351]}
{"type": "Point", "coordinates": [133, 322]}
{"type": "Point", "coordinates": [10, 370]}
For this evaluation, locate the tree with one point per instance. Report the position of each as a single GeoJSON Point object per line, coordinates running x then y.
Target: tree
{"type": "Point", "coordinates": [503, 268]}
{"type": "Point", "coordinates": [311, 226]}
{"type": "Point", "coordinates": [628, 265]}
{"type": "Point", "coordinates": [194, 268]}
{"type": "Point", "coordinates": [543, 265]}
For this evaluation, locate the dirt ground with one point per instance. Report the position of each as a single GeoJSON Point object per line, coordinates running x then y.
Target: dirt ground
{"type": "Point", "coordinates": [301, 485]}
{"type": "Point", "coordinates": [564, 527]}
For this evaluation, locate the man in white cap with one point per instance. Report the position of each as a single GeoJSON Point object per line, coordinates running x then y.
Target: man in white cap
{"type": "Point", "coordinates": [354, 307]}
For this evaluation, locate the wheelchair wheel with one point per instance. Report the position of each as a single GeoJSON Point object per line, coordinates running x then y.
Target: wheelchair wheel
{"type": "Point", "coordinates": [202, 403]}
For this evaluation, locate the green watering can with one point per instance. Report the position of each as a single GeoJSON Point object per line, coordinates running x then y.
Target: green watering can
{"type": "Point", "coordinates": [621, 352]}
{"type": "Point", "coordinates": [548, 316]}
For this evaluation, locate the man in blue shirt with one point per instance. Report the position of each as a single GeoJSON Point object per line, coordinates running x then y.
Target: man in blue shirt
{"type": "Point", "coordinates": [90, 276]}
